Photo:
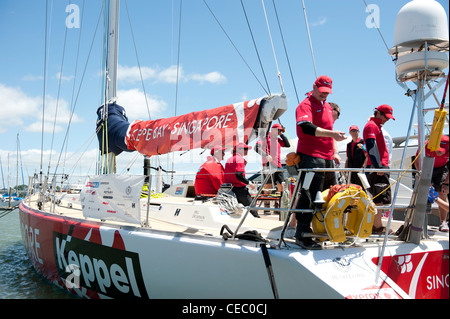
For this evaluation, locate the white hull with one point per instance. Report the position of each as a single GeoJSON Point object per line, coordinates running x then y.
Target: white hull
{"type": "Point", "coordinates": [168, 261]}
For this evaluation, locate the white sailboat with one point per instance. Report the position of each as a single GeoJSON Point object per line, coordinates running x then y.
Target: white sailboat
{"type": "Point", "coordinates": [115, 244]}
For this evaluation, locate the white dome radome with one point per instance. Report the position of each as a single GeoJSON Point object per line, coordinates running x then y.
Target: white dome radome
{"type": "Point", "coordinates": [419, 21]}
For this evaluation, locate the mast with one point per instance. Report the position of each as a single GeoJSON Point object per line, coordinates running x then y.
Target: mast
{"type": "Point", "coordinates": [112, 48]}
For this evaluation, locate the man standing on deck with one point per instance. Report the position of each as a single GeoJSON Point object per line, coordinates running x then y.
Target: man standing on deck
{"type": "Point", "coordinates": [211, 174]}
{"type": "Point", "coordinates": [378, 154]}
{"type": "Point", "coordinates": [316, 137]}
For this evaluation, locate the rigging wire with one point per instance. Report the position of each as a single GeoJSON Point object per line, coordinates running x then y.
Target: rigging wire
{"type": "Point", "coordinates": [309, 37]}
{"type": "Point", "coordinates": [273, 48]}
{"type": "Point", "coordinates": [43, 99]}
{"type": "Point", "coordinates": [178, 75]}
{"type": "Point", "coordinates": [232, 43]}
{"type": "Point", "coordinates": [140, 70]}
{"type": "Point", "coordinates": [285, 51]}
{"type": "Point", "coordinates": [75, 72]}
{"type": "Point", "coordinates": [72, 111]}
{"type": "Point", "coordinates": [375, 22]}
{"type": "Point", "coordinates": [106, 159]}
{"type": "Point", "coordinates": [178, 57]}
{"type": "Point", "coordinates": [254, 45]}
{"type": "Point", "coordinates": [57, 96]}
{"type": "Point", "coordinates": [88, 144]}
{"type": "Point", "coordinates": [137, 58]}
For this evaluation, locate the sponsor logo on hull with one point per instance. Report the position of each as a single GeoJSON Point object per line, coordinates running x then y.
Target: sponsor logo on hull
{"type": "Point", "coordinates": [423, 275]}
{"type": "Point", "coordinates": [106, 270]}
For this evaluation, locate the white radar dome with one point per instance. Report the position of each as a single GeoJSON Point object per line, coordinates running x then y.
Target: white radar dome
{"type": "Point", "coordinates": [420, 24]}
{"type": "Point", "coordinates": [419, 21]}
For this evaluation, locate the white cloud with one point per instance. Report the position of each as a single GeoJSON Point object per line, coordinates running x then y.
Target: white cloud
{"type": "Point", "coordinates": [16, 105]}
{"type": "Point", "coordinates": [166, 75]}
{"type": "Point", "coordinates": [134, 102]}
{"type": "Point", "coordinates": [30, 77]}
{"type": "Point", "coordinates": [19, 108]}
{"type": "Point", "coordinates": [322, 21]}
{"type": "Point", "coordinates": [52, 108]}
{"type": "Point", "coordinates": [169, 75]}
{"type": "Point", "coordinates": [212, 77]}
{"type": "Point", "coordinates": [63, 77]}
{"type": "Point", "coordinates": [131, 74]}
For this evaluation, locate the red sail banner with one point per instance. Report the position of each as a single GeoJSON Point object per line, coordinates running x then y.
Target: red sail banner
{"type": "Point", "coordinates": [226, 125]}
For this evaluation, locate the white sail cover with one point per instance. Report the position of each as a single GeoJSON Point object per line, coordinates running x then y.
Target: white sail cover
{"type": "Point", "coordinates": [112, 197]}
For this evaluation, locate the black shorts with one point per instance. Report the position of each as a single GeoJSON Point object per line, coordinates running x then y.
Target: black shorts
{"type": "Point", "coordinates": [307, 196]}
{"type": "Point", "coordinates": [377, 185]}
{"type": "Point", "coordinates": [439, 176]}
{"type": "Point", "coordinates": [278, 178]}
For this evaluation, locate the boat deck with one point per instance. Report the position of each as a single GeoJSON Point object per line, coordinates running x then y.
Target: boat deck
{"type": "Point", "coordinates": [268, 225]}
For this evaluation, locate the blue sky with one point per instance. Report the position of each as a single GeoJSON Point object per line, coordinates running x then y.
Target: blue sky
{"type": "Point", "coordinates": [212, 73]}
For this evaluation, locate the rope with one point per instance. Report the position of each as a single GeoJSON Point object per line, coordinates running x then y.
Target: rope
{"type": "Point", "coordinates": [228, 202]}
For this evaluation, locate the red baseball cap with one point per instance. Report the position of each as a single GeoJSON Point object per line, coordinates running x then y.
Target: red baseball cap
{"type": "Point", "coordinates": [217, 148]}
{"type": "Point", "coordinates": [353, 127]}
{"type": "Point", "coordinates": [242, 145]}
{"type": "Point", "coordinates": [387, 110]}
{"type": "Point", "coordinates": [324, 84]}
{"type": "Point", "coordinates": [444, 144]}
{"type": "Point", "coordinates": [278, 126]}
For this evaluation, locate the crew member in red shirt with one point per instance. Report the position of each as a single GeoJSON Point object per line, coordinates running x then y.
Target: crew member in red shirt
{"type": "Point", "coordinates": [314, 119]}
{"type": "Point", "coordinates": [235, 175]}
{"type": "Point", "coordinates": [211, 174]}
{"type": "Point", "coordinates": [378, 157]}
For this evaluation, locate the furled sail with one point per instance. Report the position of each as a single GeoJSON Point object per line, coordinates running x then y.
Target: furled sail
{"type": "Point", "coordinates": [226, 125]}
{"type": "Point", "coordinates": [112, 127]}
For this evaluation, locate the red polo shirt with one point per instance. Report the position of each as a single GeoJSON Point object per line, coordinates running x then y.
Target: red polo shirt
{"type": "Point", "coordinates": [442, 160]}
{"type": "Point", "coordinates": [321, 115]}
{"type": "Point", "coordinates": [209, 177]}
{"type": "Point", "coordinates": [272, 146]}
{"type": "Point", "coordinates": [236, 163]}
{"type": "Point", "coordinates": [372, 129]}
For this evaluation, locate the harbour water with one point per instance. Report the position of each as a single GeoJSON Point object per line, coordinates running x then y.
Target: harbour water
{"type": "Point", "coordinates": [18, 279]}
